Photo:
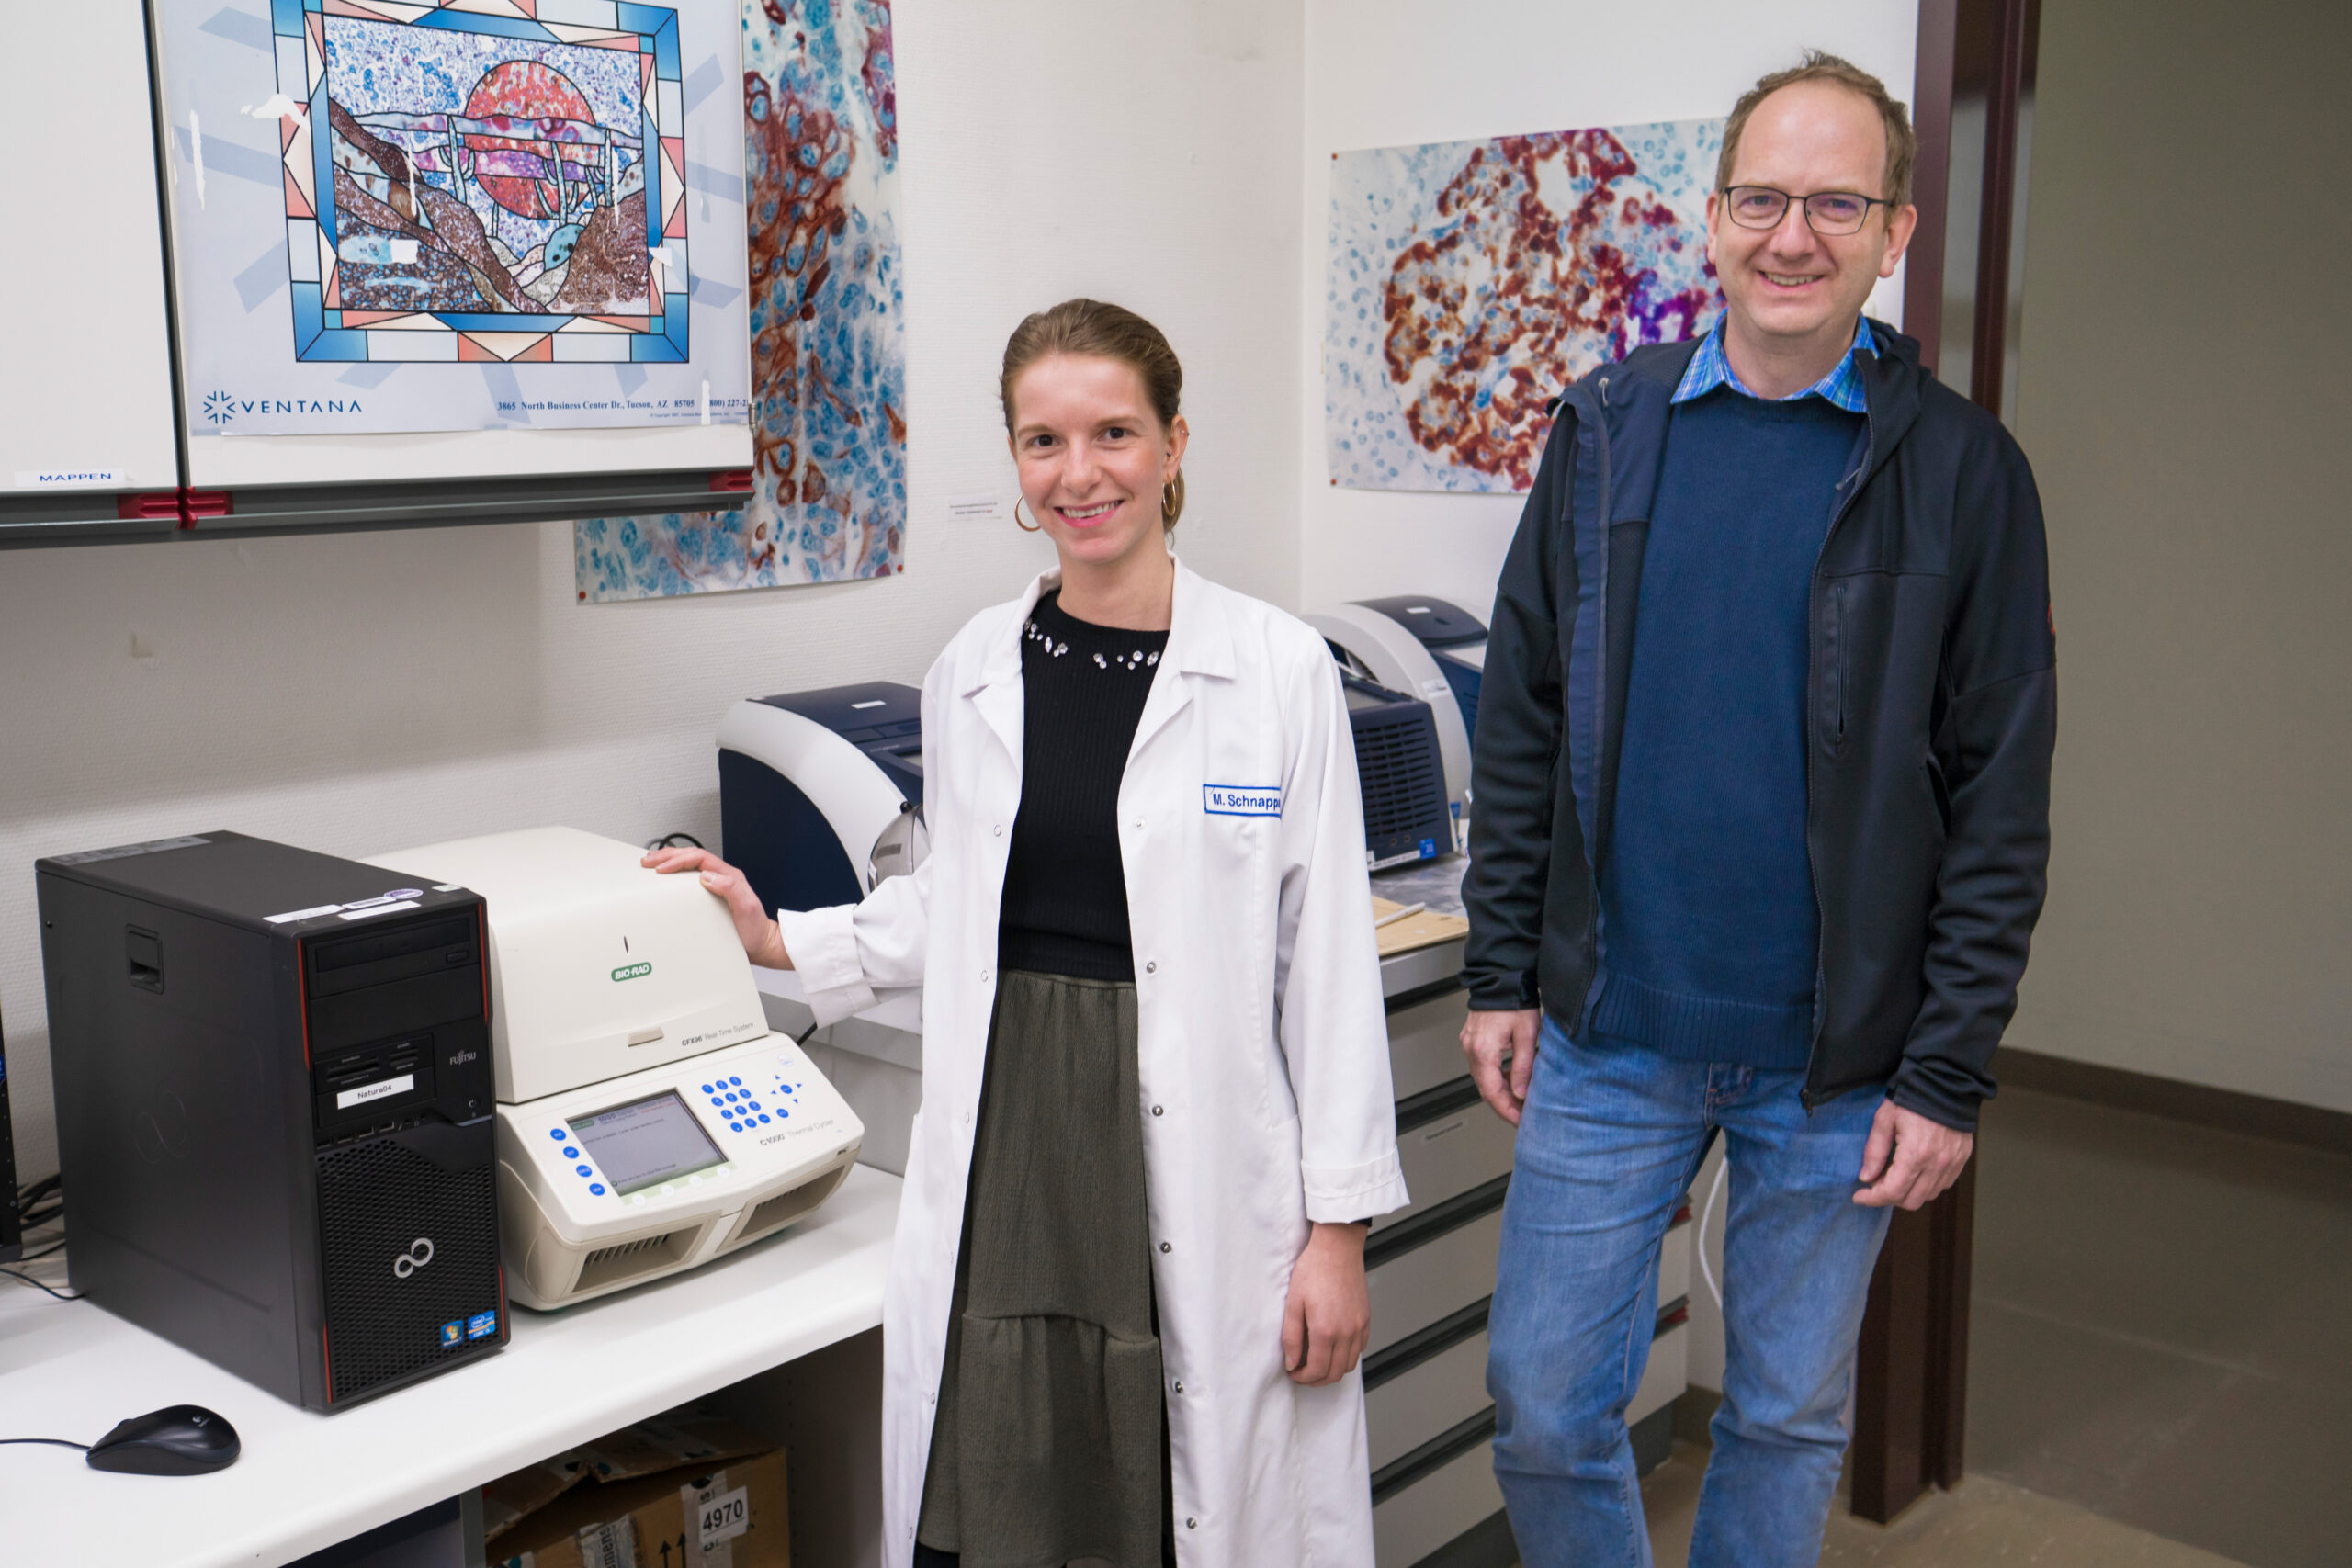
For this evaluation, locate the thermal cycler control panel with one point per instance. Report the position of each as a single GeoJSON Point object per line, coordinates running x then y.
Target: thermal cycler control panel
{"type": "Point", "coordinates": [645, 1175]}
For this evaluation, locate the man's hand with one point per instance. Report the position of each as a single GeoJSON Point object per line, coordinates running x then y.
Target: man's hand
{"type": "Point", "coordinates": [1486, 1039]}
{"type": "Point", "coordinates": [1909, 1159]}
{"type": "Point", "coordinates": [1327, 1319]}
{"type": "Point", "coordinates": [761, 937]}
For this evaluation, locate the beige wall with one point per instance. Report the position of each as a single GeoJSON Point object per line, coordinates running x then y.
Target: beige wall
{"type": "Point", "coordinates": [2184, 398]}
{"type": "Point", "coordinates": [355, 695]}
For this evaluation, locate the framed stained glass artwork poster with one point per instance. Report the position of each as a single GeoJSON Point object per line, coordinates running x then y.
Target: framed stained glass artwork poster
{"type": "Point", "coordinates": [437, 215]}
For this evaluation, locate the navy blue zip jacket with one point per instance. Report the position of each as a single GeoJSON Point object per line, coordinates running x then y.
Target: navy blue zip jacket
{"type": "Point", "coordinates": [1930, 716]}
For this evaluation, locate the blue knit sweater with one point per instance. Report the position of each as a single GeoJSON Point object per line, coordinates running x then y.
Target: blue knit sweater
{"type": "Point", "coordinates": [1710, 932]}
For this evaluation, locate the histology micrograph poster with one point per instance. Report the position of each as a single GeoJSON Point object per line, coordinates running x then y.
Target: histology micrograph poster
{"type": "Point", "coordinates": [829, 366]}
{"type": "Point", "coordinates": [1471, 281]}
{"type": "Point", "coordinates": [433, 215]}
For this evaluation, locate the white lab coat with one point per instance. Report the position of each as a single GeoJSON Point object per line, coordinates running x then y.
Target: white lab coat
{"type": "Point", "coordinates": [1264, 1051]}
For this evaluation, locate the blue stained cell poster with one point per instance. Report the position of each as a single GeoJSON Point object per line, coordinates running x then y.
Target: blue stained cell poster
{"type": "Point", "coordinates": [829, 499]}
{"type": "Point", "coordinates": [1471, 281]}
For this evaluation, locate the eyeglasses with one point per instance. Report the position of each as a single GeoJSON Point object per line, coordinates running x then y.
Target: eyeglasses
{"type": "Point", "coordinates": [1825, 211]}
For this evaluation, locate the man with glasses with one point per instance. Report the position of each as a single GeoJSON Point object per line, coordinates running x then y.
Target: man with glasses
{"type": "Point", "coordinates": [1762, 776]}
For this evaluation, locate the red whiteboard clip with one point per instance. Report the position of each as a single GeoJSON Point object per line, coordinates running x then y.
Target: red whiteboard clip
{"type": "Point", "coordinates": [148, 507]}
{"type": "Point", "coordinates": [731, 481]}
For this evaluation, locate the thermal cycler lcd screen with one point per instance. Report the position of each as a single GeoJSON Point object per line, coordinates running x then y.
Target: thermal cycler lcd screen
{"type": "Point", "coordinates": [646, 1142]}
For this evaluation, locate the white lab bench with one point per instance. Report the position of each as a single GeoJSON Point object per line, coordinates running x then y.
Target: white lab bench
{"type": "Point", "coordinates": [306, 1481]}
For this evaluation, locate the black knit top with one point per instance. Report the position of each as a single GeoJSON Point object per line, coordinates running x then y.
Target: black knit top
{"type": "Point", "coordinates": [1064, 909]}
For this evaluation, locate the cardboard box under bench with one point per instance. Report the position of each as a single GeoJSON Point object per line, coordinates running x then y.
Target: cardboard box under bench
{"type": "Point", "coordinates": [624, 1501]}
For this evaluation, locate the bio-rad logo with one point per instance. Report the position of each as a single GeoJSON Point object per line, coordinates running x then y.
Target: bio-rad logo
{"type": "Point", "coordinates": [637, 971]}
{"type": "Point", "coordinates": [221, 407]}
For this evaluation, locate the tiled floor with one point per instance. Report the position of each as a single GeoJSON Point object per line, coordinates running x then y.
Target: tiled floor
{"type": "Point", "coordinates": [2163, 1328]}
{"type": "Point", "coordinates": [1985, 1522]}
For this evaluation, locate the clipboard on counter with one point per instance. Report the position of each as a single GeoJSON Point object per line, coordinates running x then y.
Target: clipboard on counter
{"type": "Point", "coordinates": [1401, 928]}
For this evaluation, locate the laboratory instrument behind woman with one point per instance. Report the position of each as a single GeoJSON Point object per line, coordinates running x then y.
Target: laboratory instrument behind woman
{"type": "Point", "coordinates": [1157, 1107]}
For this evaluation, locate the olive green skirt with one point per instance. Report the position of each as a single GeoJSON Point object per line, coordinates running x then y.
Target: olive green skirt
{"type": "Point", "coordinates": [1049, 1443]}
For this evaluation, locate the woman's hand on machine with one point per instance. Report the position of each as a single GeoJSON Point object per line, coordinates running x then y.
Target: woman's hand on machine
{"type": "Point", "coordinates": [761, 937]}
{"type": "Point", "coordinates": [1328, 1320]}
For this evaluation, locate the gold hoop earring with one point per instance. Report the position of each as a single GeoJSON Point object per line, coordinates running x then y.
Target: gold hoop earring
{"type": "Point", "coordinates": [1168, 502]}
{"type": "Point", "coordinates": [1024, 527]}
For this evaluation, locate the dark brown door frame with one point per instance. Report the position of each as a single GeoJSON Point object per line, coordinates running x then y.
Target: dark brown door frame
{"type": "Point", "coordinates": [1911, 1374]}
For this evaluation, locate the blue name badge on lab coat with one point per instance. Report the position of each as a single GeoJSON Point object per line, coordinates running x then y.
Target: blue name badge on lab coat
{"type": "Point", "coordinates": [1242, 800]}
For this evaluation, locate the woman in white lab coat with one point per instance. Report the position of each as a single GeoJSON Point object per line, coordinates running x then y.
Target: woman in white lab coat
{"type": "Point", "coordinates": [1157, 1109]}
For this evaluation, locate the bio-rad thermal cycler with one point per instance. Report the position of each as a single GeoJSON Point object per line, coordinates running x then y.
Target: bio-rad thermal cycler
{"type": "Point", "coordinates": [648, 1121]}
{"type": "Point", "coordinates": [1428, 648]}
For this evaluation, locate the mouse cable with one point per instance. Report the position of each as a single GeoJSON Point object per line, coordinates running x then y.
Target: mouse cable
{"type": "Point", "coordinates": [54, 1442]}
{"type": "Point", "coordinates": [670, 842]}
{"type": "Point", "coordinates": [36, 1285]}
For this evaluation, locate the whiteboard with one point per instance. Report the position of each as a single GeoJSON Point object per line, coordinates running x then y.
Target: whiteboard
{"type": "Point", "coordinates": [90, 374]}
{"type": "Point", "coordinates": [370, 280]}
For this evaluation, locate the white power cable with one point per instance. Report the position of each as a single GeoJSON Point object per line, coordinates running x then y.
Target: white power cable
{"type": "Point", "coordinates": [1714, 1191]}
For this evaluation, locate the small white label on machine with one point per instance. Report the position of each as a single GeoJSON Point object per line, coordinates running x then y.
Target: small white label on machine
{"type": "Point", "coordinates": [366, 1092]}
{"type": "Point", "coordinates": [381, 904]}
{"type": "Point", "coordinates": [378, 909]}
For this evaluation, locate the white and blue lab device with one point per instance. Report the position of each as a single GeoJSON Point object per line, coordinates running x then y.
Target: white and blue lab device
{"type": "Point", "coordinates": [1425, 647]}
{"type": "Point", "coordinates": [821, 792]}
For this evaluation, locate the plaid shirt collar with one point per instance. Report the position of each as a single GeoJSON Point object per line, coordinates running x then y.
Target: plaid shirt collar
{"type": "Point", "coordinates": [1842, 387]}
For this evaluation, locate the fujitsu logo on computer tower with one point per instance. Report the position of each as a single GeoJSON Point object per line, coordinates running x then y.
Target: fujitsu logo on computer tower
{"type": "Point", "coordinates": [408, 1244]}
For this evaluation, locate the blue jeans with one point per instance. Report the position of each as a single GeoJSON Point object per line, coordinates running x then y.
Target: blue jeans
{"type": "Point", "coordinates": [1610, 1142]}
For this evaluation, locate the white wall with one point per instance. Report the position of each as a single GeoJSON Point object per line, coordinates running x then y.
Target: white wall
{"type": "Point", "coordinates": [353, 695]}
{"type": "Point", "coordinates": [1385, 73]}
{"type": "Point", "coordinates": [2181, 394]}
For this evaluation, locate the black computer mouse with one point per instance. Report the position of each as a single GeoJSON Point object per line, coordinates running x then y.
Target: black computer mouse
{"type": "Point", "coordinates": [180, 1439]}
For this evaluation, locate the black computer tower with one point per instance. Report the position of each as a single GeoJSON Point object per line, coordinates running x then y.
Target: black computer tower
{"type": "Point", "coordinates": [275, 1108]}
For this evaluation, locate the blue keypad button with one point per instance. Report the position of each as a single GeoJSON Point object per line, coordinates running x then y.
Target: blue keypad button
{"type": "Point", "coordinates": [717, 1100]}
{"type": "Point", "coordinates": [737, 1082]}
{"type": "Point", "coordinates": [732, 1097]}
{"type": "Point", "coordinates": [705, 1088]}
{"type": "Point", "coordinates": [763, 1115]}
{"type": "Point", "coordinates": [736, 1126]}
{"type": "Point", "coordinates": [785, 1114]}
{"type": "Point", "coordinates": [584, 1170]}
{"type": "Point", "coordinates": [556, 1134]}
{"type": "Point", "coordinates": [570, 1154]}
{"type": "Point", "coordinates": [598, 1188]}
